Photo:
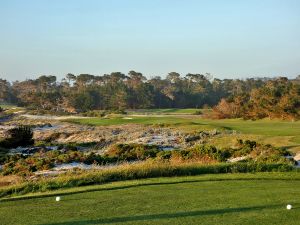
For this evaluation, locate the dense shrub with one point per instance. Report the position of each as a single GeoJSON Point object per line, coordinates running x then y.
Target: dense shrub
{"type": "Point", "coordinates": [19, 136]}
{"type": "Point", "coordinates": [118, 111]}
{"type": "Point", "coordinates": [211, 151]}
{"type": "Point", "coordinates": [260, 152]}
{"type": "Point", "coordinates": [130, 152]}
{"type": "Point", "coordinates": [165, 155]}
{"type": "Point", "coordinates": [206, 154]}
{"type": "Point", "coordinates": [94, 113]}
{"type": "Point", "coordinates": [3, 152]}
{"type": "Point", "coordinates": [198, 112]}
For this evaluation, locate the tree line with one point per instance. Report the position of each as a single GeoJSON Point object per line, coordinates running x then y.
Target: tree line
{"type": "Point", "coordinates": [230, 98]}
{"type": "Point", "coordinates": [277, 98]}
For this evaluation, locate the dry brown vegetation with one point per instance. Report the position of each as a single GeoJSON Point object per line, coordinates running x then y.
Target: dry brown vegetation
{"type": "Point", "coordinates": [10, 180]}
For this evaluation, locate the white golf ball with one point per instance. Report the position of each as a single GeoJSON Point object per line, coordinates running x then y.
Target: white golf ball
{"type": "Point", "coordinates": [289, 207]}
{"type": "Point", "coordinates": [57, 198]}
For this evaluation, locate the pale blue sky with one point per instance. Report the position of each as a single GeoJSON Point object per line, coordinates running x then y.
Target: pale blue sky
{"type": "Point", "coordinates": [228, 38]}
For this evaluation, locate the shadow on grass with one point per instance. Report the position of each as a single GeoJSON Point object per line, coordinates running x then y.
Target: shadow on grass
{"type": "Point", "coordinates": [98, 187]}
{"type": "Point", "coordinates": [290, 146]}
{"type": "Point", "coordinates": [153, 217]}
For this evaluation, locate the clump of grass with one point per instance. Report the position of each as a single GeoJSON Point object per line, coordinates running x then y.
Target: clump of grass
{"type": "Point", "coordinates": [197, 112]}
{"type": "Point", "coordinates": [10, 180]}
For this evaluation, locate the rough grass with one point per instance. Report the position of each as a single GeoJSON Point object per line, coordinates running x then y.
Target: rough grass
{"type": "Point", "coordinates": [262, 127]}
{"type": "Point", "coordinates": [275, 132]}
{"type": "Point", "coordinates": [207, 199]}
{"type": "Point", "coordinates": [279, 133]}
{"type": "Point", "coordinates": [9, 180]}
{"type": "Point", "coordinates": [10, 108]}
{"type": "Point", "coordinates": [231, 140]}
{"type": "Point", "coordinates": [148, 169]}
{"type": "Point", "coordinates": [7, 106]}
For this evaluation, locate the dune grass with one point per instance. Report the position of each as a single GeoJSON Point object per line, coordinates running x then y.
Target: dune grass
{"type": "Point", "coordinates": [10, 108]}
{"type": "Point", "coordinates": [206, 199]}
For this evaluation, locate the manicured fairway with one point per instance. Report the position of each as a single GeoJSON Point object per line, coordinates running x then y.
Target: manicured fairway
{"type": "Point", "coordinates": [185, 200]}
{"type": "Point", "coordinates": [263, 127]}
{"type": "Point", "coordinates": [130, 120]}
{"type": "Point", "coordinates": [167, 111]}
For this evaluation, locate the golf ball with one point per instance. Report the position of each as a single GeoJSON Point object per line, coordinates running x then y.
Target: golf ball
{"type": "Point", "coordinates": [57, 198]}
{"type": "Point", "coordinates": [289, 207]}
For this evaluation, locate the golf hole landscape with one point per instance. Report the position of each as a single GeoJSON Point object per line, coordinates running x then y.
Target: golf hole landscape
{"type": "Point", "coordinates": [150, 112]}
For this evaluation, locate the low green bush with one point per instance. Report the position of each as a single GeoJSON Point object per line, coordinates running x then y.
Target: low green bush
{"type": "Point", "coordinates": [25, 165]}
{"type": "Point", "coordinates": [129, 152]}
{"type": "Point", "coordinates": [198, 112]}
{"type": "Point", "coordinates": [94, 113]}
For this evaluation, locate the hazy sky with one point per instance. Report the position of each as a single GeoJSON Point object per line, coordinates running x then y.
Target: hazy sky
{"type": "Point", "coordinates": [228, 38]}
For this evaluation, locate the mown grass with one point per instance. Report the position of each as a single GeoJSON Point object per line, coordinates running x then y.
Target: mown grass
{"type": "Point", "coordinates": [169, 111]}
{"type": "Point", "coordinates": [207, 199]}
{"type": "Point", "coordinates": [262, 127]}
{"type": "Point", "coordinates": [130, 120]}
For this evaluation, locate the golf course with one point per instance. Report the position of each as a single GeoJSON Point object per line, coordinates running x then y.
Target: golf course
{"type": "Point", "coordinates": [130, 112]}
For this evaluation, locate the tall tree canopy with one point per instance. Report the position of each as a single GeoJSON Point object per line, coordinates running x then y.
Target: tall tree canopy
{"type": "Point", "coordinates": [249, 98]}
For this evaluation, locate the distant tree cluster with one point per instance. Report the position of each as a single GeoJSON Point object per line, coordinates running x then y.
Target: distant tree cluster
{"type": "Point", "coordinates": [279, 98]}
{"type": "Point", "coordinates": [251, 98]}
